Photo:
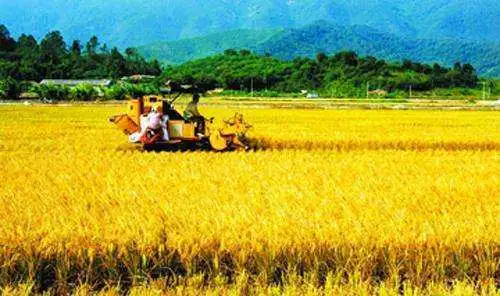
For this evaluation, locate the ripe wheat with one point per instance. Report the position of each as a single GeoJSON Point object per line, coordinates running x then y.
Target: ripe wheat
{"type": "Point", "coordinates": [399, 197]}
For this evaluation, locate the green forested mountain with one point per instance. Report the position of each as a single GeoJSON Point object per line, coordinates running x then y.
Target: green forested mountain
{"type": "Point", "coordinates": [137, 22]}
{"type": "Point", "coordinates": [178, 52]}
{"type": "Point", "coordinates": [331, 38]}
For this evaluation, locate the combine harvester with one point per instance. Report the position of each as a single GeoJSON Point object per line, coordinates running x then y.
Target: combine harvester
{"type": "Point", "coordinates": [182, 134]}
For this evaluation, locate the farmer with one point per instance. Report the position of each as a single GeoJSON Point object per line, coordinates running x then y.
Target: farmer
{"type": "Point", "coordinates": [154, 122]}
{"type": "Point", "coordinates": [192, 114]}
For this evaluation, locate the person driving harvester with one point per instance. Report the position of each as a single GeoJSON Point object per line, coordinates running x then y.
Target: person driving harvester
{"type": "Point", "coordinates": [192, 114]}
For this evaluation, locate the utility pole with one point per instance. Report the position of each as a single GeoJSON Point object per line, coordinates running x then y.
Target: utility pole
{"type": "Point", "coordinates": [484, 90]}
{"type": "Point", "coordinates": [410, 91]}
{"type": "Point", "coordinates": [367, 89]}
{"type": "Point", "coordinates": [251, 85]}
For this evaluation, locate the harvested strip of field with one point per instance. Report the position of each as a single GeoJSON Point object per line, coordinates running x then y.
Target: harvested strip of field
{"type": "Point", "coordinates": [381, 104]}
{"type": "Point", "coordinates": [77, 211]}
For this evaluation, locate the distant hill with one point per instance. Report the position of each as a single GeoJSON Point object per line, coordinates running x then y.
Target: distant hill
{"type": "Point", "coordinates": [322, 36]}
{"type": "Point", "coordinates": [137, 22]}
{"type": "Point", "coordinates": [178, 52]}
{"type": "Point", "coordinates": [331, 38]}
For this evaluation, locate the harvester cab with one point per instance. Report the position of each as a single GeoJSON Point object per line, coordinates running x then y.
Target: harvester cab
{"type": "Point", "coordinates": [182, 134]}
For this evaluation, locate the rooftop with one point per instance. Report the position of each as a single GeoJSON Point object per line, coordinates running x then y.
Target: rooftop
{"type": "Point", "coordinates": [75, 82]}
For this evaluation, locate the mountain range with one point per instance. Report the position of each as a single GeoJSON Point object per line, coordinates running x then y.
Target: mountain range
{"type": "Point", "coordinates": [125, 23]}
{"type": "Point", "coordinates": [330, 38]}
{"type": "Point", "coordinates": [442, 31]}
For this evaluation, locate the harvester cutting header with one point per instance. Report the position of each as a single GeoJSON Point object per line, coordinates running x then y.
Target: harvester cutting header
{"type": "Point", "coordinates": [153, 122]}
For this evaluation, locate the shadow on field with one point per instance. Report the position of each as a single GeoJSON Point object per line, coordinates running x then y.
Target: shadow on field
{"type": "Point", "coordinates": [326, 145]}
{"type": "Point", "coordinates": [268, 144]}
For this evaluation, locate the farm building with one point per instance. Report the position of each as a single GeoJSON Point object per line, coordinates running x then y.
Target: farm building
{"type": "Point", "coordinates": [138, 78]}
{"type": "Point", "coordinates": [75, 82]}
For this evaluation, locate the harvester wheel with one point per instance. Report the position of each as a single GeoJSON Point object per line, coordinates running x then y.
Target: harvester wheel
{"type": "Point", "coordinates": [218, 142]}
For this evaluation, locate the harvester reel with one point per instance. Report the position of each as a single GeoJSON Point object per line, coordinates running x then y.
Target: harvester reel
{"type": "Point", "coordinates": [218, 142]}
{"type": "Point", "coordinates": [231, 135]}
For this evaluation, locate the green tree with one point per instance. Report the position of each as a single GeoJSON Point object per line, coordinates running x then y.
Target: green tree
{"type": "Point", "coordinates": [28, 52]}
{"type": "Point", "coordinates": [117, 65]}
{"type": "Point", "coordinates": [245, 52]}
{"type": "Point", "coordinates": [7, 43]}
{"type": "Point", "coordinates": [321, 57]}
{"type": "Point", "coordinates": [92, 46]}
{"type": "Point", "coordinates": [52, 53]}
{"type": "Point", "coordinates": [230, 52]}
{"type": "Point", "coordinates": [76, 49]}
{"type": "Point", "coordinates": [9, 89]}
{"type": "Point", "coordinates": [7, 69]}
{"type": "Point", "coordinates": [52, 92]}
{"type": "Point", "coordinates": [154, 68]}
{"type": "Point", "coordinates": [83, 92]}
{"type": "Point", "coordinates": [468, 76]}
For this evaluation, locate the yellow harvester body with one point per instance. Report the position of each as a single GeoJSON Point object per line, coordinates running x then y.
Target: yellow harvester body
{"type": "Point", "coordinates": [229, 135]}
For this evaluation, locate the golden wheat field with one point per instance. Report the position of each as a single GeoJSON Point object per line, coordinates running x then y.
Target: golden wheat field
{"type": "Point", "coordinates": [333, 202]}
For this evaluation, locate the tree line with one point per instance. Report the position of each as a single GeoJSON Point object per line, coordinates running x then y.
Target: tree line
{"type": "Point", "coordinates": [343, 72]}
{"type": "Point", "coordinates": [25, 59]}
